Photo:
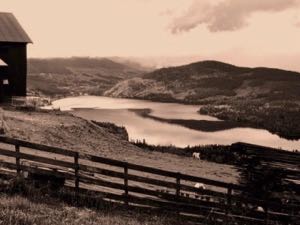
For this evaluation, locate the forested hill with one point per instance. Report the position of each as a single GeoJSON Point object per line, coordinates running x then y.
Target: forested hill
{"type": "Point", "coordinates": [210, 80]}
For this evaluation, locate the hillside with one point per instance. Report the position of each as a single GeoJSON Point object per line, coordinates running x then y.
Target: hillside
{"type": "Point", "coordinates": [211, 80]}
{"type": "Point", "coordinates": [77, 75]}
{"type": "Point", "coordinates": [261, 97]}
{"type": "Point", "coordinates": [61, 129]}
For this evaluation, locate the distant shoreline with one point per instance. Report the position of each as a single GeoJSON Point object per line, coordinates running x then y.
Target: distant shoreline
{"type": "Point", "coordinates": [199, 125]}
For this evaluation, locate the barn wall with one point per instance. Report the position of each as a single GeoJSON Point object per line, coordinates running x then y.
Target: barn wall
{"type": "Point", "coordinates": [15, 56]}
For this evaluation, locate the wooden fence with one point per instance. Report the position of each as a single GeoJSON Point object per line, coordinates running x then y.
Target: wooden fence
{"type": "Point", "coordinates": [138, 185]}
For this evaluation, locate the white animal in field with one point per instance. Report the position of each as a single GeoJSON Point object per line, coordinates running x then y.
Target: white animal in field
{"type": "Point", "coordinates": [260, 209]}
{"type": "Point", "coordinates": [196, 155]}
{"type": "Point", "coordinates": [200, 186]}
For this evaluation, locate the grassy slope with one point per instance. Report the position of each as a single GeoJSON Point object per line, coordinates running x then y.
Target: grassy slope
{"type": "Point", "coordinates": [17, 210]}
{"type": "Point", "coordinates": [70, 132]}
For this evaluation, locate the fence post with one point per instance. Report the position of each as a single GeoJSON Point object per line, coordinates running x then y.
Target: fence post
{"type": "Point", "coordinates": [228, 203]}
{"type": "Point", "coordinates": [17, 148]}
{"type": "Point", "coordinates": [126, 183]}
{"type": "Point", "coordinates": [76, 170]}
{"type": "Point", "coordinates": [266, 214]}
{"type": "Point", "coordinates": [292, 214]}
{"type": "Point", "coordinates": [178, 190]}
{"type": "Point", "coordinates": [178, 184]}
{"type": "Point", "coordinates": [266, 206]}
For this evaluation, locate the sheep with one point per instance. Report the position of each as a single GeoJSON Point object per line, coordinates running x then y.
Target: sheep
{"type": "Point", "coordinates": [25, 174]}
{"type": "Point", "coordinates": [260, 209]}
{"type": "Point", "coordinates": [199, 186]}
{"type": "Point", "coordinates": [196, 155]}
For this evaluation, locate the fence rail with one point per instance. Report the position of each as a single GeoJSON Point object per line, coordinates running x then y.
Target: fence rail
{"type": "Point", "coordinates": [134, 184]}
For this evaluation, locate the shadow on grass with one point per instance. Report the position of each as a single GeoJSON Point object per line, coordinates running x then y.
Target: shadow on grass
{"type": "Point", "coordinates": [23, 195]}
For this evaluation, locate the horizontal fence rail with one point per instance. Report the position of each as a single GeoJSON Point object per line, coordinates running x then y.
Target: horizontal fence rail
{"type": "Point", "coordinates": [137, 185]}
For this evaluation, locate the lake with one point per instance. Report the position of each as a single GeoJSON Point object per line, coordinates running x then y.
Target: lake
{"type": "Point", "coordinates": [119, 111]}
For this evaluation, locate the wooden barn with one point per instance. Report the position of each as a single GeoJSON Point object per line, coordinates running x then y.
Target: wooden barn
{"type": "Point", "coordinates": [13, 57]}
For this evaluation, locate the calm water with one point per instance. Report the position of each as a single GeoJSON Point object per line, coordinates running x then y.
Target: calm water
{"type": "Point", "coordinates": [154, 132]}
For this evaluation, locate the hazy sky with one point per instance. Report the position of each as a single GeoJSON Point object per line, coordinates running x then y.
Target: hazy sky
{"type": "Point", "coordinates": [254, 32]}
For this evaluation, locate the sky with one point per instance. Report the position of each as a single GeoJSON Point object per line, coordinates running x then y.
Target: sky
{"type": "Point", "coordinates": [246, 33]}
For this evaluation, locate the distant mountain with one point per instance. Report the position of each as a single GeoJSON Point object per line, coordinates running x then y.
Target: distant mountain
{"type": "Point", "coordinates": [77, 75]}
{"type": "Point", "coordinates": [133, 63]}
{"type": "Point", "coordinates": [209, 81]}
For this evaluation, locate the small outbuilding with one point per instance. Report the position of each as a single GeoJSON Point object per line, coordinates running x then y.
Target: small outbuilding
{"type": "Point", "coordinates": [13, 57]}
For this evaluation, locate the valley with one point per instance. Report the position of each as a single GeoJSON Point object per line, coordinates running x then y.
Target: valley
{"type": "Point", "coordinates": [59, 77]}
{"type": "Point", "coordinates": [264, 98]}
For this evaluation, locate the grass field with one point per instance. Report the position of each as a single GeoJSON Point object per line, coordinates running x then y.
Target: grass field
{"type": "Point", "coordinates": [18, 210]}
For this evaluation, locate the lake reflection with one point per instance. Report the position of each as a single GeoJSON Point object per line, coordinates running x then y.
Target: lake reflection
{"type": "Point", "coordinates": [115, 110]}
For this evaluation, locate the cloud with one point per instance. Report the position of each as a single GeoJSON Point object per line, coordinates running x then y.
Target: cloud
{"type": "Point", "coordinates": [297, 22]}
{"type": "Point", "coordinates": [226, 15]}
{"type": "Point", "coordinates": [167, 12]}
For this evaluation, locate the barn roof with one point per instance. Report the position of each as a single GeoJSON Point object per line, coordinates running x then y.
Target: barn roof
{"type": "Point", "coordinates": [11, 30]}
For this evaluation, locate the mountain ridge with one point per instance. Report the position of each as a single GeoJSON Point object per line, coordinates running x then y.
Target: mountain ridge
{"type": "Point", "coordinates": [207, 79]}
